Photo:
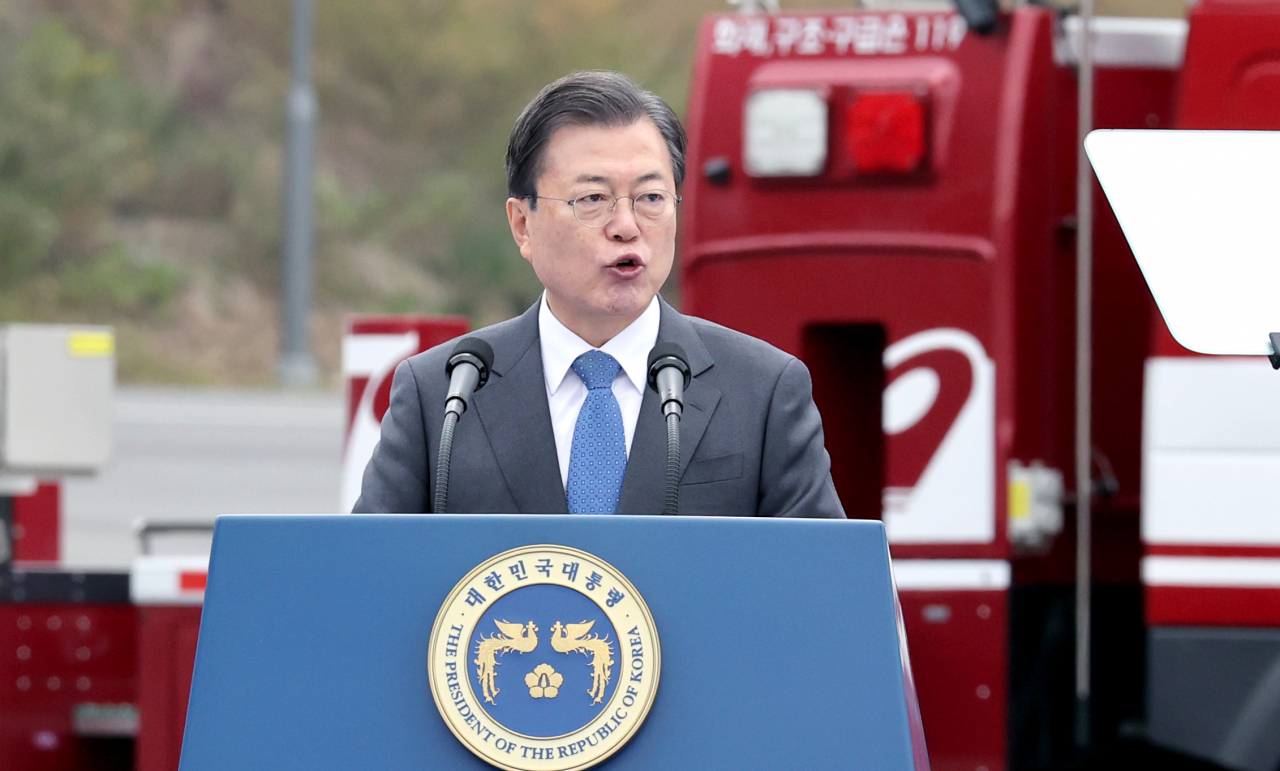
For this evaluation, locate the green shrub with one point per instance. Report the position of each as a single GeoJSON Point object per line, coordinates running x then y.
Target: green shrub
{"type": "Point", "coordinates": [112, 281]}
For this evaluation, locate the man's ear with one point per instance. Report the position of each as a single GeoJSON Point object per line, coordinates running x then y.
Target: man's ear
{"type": "Point", "coordinates": [518, 219]}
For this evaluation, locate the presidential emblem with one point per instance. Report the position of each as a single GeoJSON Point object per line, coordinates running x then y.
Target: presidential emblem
{"type": "Point", "coordinates": [544, 658]}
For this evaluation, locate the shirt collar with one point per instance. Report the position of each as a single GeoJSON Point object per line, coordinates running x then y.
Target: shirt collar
{"type": "Point", "coordinates": [631, 346]}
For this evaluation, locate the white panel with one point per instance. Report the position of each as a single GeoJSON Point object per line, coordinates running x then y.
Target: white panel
{"type": "Point", "coordinates": [954, 500]}
{"type": "Point", "coordinates": [1127, 42]}
{"type": "Point", "coordinates": [1199, 210]}
{"type": "Point", "coordinates": [157, 580]}
{"type": "Point", "coordinates": [925, 575]}
{"type": "Point", "coordinates": [1211, 571]}
{"type": "Point", "coordinates": [1211, 451]}
{"type": "Point", "coordinates": [18, 484]}
{"type": "Point", "coordinates": [1206, 403]}
{"type": "Point", "coordinates": [363, 355]}
{"type": "Point", "coordinates": [374, 356]}
{"type": "Point", "coordinates": [1218, 497]}
{"type": "Point", "coordinates": [785, 133]}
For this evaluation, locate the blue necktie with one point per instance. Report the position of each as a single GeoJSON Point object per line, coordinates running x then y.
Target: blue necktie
{"type": "Point", "coordinates": [599, 456]}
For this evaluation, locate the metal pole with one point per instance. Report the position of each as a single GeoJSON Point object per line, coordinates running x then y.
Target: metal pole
{"type": "Point", "coordinates": [296, 366]}
{"type": "Point", "coordinates": [1084, 377]}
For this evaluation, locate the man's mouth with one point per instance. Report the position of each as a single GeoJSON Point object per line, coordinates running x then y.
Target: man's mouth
{"type": "Point", "coordinates": [627, 266]}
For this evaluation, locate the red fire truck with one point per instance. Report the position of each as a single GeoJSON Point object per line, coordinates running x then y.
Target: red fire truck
{"type": "Point", "coordinates": [890, 196]}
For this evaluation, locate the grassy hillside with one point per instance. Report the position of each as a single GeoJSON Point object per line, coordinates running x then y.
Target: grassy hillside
{"type": "Point", "coordinates": [141, 155]}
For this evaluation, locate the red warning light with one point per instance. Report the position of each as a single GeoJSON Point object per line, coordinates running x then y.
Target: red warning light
{"type": "Point", "coordinates": [885, 132]}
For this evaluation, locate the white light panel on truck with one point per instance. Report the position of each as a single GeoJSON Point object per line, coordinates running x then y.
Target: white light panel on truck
{"type": "Point", "coordinates": [785, 133]}
{"type": "Point", "coordinates": [874, 131]}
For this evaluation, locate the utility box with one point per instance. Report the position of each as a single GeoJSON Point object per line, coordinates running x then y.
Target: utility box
{"type": "Point", "coordinates": [57, 386]}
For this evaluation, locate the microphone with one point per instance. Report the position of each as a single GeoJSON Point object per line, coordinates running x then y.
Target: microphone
{"type": "Point", "coordinates": [668, 376]}
{"type": "Point", "coordinates": [468, 371]}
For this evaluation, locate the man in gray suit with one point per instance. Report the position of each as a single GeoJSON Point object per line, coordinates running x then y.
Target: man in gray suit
{"type": "Point", "coordinates": [565, 423]}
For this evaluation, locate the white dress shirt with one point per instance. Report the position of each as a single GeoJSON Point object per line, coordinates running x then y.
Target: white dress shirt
{"type": "Point", "coordinates": [565, 390]}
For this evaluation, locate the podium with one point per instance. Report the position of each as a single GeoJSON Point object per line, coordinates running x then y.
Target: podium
{"type": "Point", "coordinates": [781, 644]}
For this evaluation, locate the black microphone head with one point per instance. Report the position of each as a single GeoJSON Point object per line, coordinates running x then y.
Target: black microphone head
{"type": "Point", "coordinates": [475, 351]}
{"type": "Point", "coordinates": [668, 355]}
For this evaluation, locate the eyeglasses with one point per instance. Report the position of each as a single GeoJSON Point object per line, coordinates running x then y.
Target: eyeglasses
{"type": "Point", "coordinates": [596, 208]}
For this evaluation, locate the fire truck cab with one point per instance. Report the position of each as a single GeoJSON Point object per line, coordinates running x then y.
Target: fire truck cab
{"type": "Point", "coordinates": [890, 196]}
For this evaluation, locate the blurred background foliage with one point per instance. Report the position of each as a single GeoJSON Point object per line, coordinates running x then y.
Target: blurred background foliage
{"type": "Point", "coordinates": [141, 151]}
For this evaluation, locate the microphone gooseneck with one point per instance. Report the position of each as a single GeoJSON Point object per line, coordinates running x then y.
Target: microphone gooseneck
{"type": "Point", "coordinates": [669, 375]}
{"type": "Point", "coordinates": [468, 370]}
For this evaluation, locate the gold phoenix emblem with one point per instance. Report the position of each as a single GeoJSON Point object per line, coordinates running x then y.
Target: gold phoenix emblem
{"type": "Point", "coordinates": [544, 680]}
{"type": "Point", "coordinates": [622, 653]}
{"type": "Point", "coordinates": [511, 637]}
{"type": "Point", "coordinates": [572, 638]}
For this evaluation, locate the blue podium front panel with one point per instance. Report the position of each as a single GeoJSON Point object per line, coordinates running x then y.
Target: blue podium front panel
{"type": "Point", "coordinates": [780, 643]}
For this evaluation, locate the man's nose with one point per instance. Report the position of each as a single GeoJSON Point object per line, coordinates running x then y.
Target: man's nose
{"type": "Point", "coordinates": [623, 226]}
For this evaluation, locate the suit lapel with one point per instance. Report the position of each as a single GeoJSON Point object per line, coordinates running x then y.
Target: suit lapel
{"type": "Point", "coordinates": [645, 480]}
{"type": "Point", "coordinates": [512, 407]}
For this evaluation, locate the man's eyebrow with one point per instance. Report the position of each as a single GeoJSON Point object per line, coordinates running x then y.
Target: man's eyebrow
{"type": "Point", "coordinates": [653, 176]}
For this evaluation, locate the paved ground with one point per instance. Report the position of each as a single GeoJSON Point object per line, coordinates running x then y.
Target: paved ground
{"type": "Point", "coordinates": [184, 455]}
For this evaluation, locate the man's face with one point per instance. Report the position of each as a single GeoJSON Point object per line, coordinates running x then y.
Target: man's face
{"type": "Point", "coordinates": [598, 280]}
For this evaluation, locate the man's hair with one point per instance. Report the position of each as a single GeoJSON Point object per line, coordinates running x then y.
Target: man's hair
{"type": "Point", "coordinates": [594, 98]}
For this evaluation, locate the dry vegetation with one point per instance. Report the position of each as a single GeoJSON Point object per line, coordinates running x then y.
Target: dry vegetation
{"type": "Point", "coordinates": [141, 156]}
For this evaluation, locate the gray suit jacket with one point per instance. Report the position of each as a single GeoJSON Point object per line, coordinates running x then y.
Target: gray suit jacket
{"type": "Point", "coordinates": [751, 438]}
